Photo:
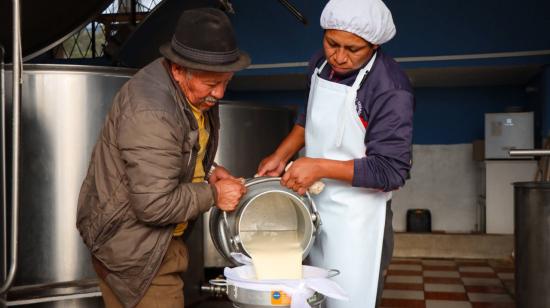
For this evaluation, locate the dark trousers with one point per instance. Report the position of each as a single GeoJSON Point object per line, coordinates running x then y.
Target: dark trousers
{"type": "Point", "coordinates": [387, 251]}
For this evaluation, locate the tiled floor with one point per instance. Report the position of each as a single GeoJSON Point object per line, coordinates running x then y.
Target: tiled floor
{"type": "Point", "coordinates": [434, 283]}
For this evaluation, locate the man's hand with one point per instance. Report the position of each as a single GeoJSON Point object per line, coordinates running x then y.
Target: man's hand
{"type": "Point", "coordinates": [230, 192]}
{"type": "Point", "coordinates": [220, 173]}
{"type": "Point", "coordinates": [302, 174]}
{"type": "Point", "coordinates": [272, 165]}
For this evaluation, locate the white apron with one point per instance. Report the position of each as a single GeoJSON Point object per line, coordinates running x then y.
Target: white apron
{"type": "Point", "coordinates": [352, 218]}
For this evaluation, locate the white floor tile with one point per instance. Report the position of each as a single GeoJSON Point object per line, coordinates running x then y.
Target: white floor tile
{"type": "Point", "coordinates": [439, 262]}
{"type": "Point", "coordinates": [489, 297]}
{"type": "Point", "coordinates": [445, 274]}
{"type": "Point", "coordinates": [404, 279]}
{"type": "Point", "coordinates": [447, 304]}
{"type": "Point", "coordinates": [403, 294]}
{"type": "Point", "coordinates": [506, 276]}
{"type": "Point", "coordinates": [481, 281]}
{"type": "Point", "coordinates": [475, 269]}
{"type": "Point", "coordinates": [441, 287]}
{"type": "Point", "coordinates": [406, 267]}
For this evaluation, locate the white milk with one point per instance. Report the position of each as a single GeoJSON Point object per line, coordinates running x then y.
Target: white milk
{"type": "Point", "coordinates": [275, 254]}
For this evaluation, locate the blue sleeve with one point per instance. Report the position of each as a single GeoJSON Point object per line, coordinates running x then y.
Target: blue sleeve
{"type": "Point", "coordinates": [388, 141]}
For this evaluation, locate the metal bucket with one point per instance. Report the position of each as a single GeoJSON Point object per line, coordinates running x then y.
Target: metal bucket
{"type": "Point", "coordinates": [244, 291]}
{"type": "Point", "coordinates": [267, 206]}
{"type": "Point", "coordinates": [246, 298]}
{"type": "Point", "coordinates": [532, 237]}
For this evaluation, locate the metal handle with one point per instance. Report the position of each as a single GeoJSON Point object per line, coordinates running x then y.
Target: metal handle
{"type": "Point", "coordinates": [226, 229]}
{"type": "Point", "coordinates": [317, 221]}
{"type": "Point", "coordinates": [224, 237]}
{"type": "Point", "coordinates": [333, 273]}
{"type": "Point", "coordinates": [17, 72]}
{"type": "Point", "coordinates": [225, 221]}
{"type": "Point", "coordinates": [528, 152]}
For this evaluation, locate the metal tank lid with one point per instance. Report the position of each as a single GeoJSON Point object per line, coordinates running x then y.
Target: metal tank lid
{"type": "Point", "coordinates": [45, 24]}
{"type": "Point", "coordinates": [72, 68]}
{"type": "Point", "coordinates": [543, 185]}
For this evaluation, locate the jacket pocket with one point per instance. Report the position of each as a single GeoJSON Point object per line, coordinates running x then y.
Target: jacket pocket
{"type": "Point", "coordinates": [87, 216]}
{"type": "Point", "coordinates": [111, 216]}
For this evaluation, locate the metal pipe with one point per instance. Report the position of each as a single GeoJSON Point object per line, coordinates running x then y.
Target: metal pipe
{"type": "Point", "coordinates": [289, 6]}
{"type": "Point", "coordinates": [530, 152]}
{"type": "Point", "coordinates": [214, 290]}
{"type": "Point", "coordinates": [3, 158]}
{"type": "Point", "coordinates": [93, 39]}
{"type": "Point", "coordinates": [133, 10]}
{"type": "Point", "coordinates": [17, 73]}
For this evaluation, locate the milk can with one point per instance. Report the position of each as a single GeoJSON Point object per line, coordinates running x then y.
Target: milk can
{"type": "Point", "coordinates": [267, 206]}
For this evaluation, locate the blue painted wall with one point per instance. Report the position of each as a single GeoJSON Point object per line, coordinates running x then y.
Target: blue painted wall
{"type": "Point", "coordinates": [424, 28]}
{"type": "Point", "coordinates": [442, 115]}
{"type": "Point", "coordinates": [456, 115]}
{"type": "Point", "coordinates": [434, 27]}
{"type": "Point", "coordinates": [543, 95]}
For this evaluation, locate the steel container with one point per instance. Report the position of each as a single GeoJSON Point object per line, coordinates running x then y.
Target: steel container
{"type": "Point", "coordinates": [267, 206]}
{"type": "Point", "coordinates": [62, 111]}
{"type": "Point", "coordinates": [247, 298]}
{"type": "Point", "coordinates": [532, 241]}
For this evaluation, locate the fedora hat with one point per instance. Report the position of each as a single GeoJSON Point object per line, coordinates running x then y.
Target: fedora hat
{"type": "Point", "coordinates": [204, 40]}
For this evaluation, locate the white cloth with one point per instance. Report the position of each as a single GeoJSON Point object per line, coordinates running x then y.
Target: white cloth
{"type": "Point", "coordinates": [314, 280]}
{"type": "Point", "coordinates": [353, 218]}
{"type": "Point", "coordinates": [369, 19]}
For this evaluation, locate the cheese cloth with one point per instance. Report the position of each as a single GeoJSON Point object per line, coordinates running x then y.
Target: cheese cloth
{"type": "Point", "coordinates": [314, 279]}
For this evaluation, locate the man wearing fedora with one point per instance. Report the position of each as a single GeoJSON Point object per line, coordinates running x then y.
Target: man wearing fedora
{"type": "Point", "coordinates": [152, 169]}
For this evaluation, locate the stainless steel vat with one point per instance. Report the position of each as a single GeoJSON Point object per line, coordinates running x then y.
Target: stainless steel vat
{"type": "Point", "coordinates": [532, 239]}
{"type": "Point", "coordinates": [62, 112]}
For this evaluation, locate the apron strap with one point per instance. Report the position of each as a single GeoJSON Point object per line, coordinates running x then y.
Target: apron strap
{"type": "Point", "coordinates": [351, 96]}
{"type": "Point", "coordinates": [320, 69]}
{"type": "Point", "coordinates": [364, 72]}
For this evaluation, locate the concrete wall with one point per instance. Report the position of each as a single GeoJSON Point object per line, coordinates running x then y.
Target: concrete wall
{"type": "Point", "coordinates": [500, 174]}
{"type": "Point", "coordinates": [444, 179]}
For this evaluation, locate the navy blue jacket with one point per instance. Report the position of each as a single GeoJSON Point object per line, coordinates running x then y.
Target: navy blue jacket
{"type": "Point", "coordinates": [385, 101]}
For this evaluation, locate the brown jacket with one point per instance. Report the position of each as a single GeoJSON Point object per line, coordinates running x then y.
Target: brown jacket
{"type": "Point", "coordinates": [138, 184]}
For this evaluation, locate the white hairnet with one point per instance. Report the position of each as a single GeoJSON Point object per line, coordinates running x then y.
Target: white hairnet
{"type": "Point", "coordinates": [369, 19]}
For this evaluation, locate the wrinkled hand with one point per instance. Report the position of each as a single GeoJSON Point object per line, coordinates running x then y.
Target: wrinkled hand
{"type": "Point", "coordinates": [220, 173]}
{"type": "Point", "coordinates": [230, 192]}
{"type": "Point", "coordinates": [302, 174]}
{"type": "Point", "coordinates": [271, 165]}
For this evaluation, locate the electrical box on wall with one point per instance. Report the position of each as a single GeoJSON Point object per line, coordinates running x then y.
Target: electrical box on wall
{"type": "Point", "coordinates": [506, 131]}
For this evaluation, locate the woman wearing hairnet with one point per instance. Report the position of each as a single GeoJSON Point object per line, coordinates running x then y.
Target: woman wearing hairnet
{"type": "Point", "coordinates": [357, 133]}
